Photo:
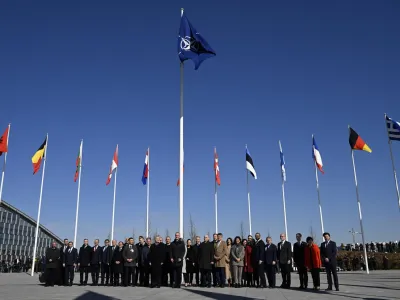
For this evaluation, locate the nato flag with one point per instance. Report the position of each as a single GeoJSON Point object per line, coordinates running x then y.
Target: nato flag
{"type": "Point", "coordinates": [191, 45]}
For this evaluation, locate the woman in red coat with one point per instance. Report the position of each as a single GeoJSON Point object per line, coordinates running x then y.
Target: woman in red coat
{"type": "Point", "coordinates": [312, 261]}
{"type": "Point", "coordinates": [248, 267]}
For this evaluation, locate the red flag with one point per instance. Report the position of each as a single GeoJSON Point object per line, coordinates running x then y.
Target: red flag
{"type": "Point", "coordinates": [4, 142]}
{"type": "Point", "coordinates": [216, 168]}
{"type": "Point", "coordinates": [114, 165]}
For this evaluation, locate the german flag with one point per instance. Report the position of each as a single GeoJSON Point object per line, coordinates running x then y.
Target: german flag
{"type": "Point", "coordinates": [356, 142]}
{"type": "Point", "coordinates": [37, 158]}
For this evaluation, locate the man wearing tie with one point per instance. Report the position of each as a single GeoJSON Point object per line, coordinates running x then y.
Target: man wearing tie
{"type": "Point", "coordinates": [69, 262]}
{"type": "Point", "coordinates": [62, 252]}
{"type": "Point", "coordinates": [270, 262]}
{"type": "Point", "coordinates": [95, 262]}
{"type": "Point", "coordinates": [258, 261]}
{"type": "Point", "coordinates": [130, 256]}
{"type": "Point", "coordinates": [105, 262]}
{"type": "Point", "coordinates": [328, 257]}
{"type": "Point", "coordinates": [112, 271]}
{"type": "Point", "coordinates": [298, 257]}
{"type": "Point", "coordinates": [285, 260]}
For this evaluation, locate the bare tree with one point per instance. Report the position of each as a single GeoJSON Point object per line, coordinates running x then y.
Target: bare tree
{"type": "Point", "coordinates": [242, 234]}
{"type": "Point", "coordinates": [150, 231]}
{"type": "Point", "coordinates": [166, 233]}
{"type": "Point", "coordinates": [155, 235]}
{"type": "Point", "coordinates": [192, 229]}
{"type": "Point", "coordinates": [133, 234]}
{"type": "Point", "coordinates": [313, 235]}
{"type": "Point", "coordinates": [109, 236]}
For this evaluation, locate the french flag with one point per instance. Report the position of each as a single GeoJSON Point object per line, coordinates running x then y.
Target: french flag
{"type": "Point", "coordinates": [146, 168]}
{"type": "Point", "coordinates": [316, 155]}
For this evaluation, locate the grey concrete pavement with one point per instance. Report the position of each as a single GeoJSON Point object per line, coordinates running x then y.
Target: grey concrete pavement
{"type": "Point", "coordinates": [379, 285]}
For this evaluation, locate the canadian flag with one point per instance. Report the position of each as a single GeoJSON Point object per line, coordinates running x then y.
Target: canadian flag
{"type": "Point", "coordinates": [114, 165]}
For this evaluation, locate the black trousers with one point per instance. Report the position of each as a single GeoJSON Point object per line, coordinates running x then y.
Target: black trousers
{"type": "Point", "coordinates": [167, 270]}
{"type": "Point", "coordinates": [112, 273]}
{"type": "Point", "coordinates": [214, 275]}
{"type": "Point", "coordinates": [84, 270]}
{"type": "Point", "coordinates": [69, 275]}
{"type": "Point", "coordinates": [261, 275]}
{"type": "Point", "coordinates": [177, 276]}
{"type": "Point", "coordinates": [205, 277]}
{"type": "Point", "coordinates": [129, 273]}
{"type": "Point", "coordinates": [188, 277]}
{"type": "Point", "coordinates": [256, 278]}
{"type": "Point", "coordinates": [156, 272]}
{"type": "Point", "coordinates": [116, 277]}
{"type": "Point", "coordinates": [285, 271]}
{"type": "Point", "coordinates": [220, 272]}
{"type": "Point", "coordinates": [331, 270]}
{"type": "Point", "coordinates": [303, 276]}
{"type": "Point", "coordinates": [105, 273]}
{"type": "Point", "coordinates": [315, 277]}
{"type": "Point", "coordinates": [196, 274]}
{"type": "Point", "coordinates": [95, 270]}
{"type": "Point", "coordinates": [271, 275]}
{"type": "Point", "coordinates": [249, 278]}
{"type": "Point", "coordinates": [62, 275]}
{"type": "Point", "coordinates": [51, 275]}
{"type": "Point", "coordinates": [145, 272]}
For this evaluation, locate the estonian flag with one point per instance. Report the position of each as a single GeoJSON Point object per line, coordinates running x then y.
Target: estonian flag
{"type": "Point", "coordinates": [250, 165]}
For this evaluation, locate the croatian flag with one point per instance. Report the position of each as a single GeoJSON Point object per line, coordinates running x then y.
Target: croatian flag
{"type": "Point", "coordinates": [316, 155]}
{"type": "Point", "coordinates": [146, 168]}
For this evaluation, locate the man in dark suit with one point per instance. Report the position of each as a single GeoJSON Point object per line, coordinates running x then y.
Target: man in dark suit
{"type": "Point", "coordinates": [285, 260]}
{"type": "Point", "coordinates": [139, 276]}
{"type": "Point", "coordinates": [69, 263]}
{"type": "Point", "coordinates": [178, 250]}
{"type": "Point", "coordinates": [112, 272]}
{"type": "Point", "coordinates": [156, 258]}
{"type": "Point", "coordinates": [167, 266]}
{"type": "Point", "coordinates": [298, 258]}
{"type": "Point", "coordinates": [328, 257]}
{"type": "Point", "coordinates": [130, 256]}
{"type": "Point", "coordinates": [206, 259]}
{"type": "Point", "coordinates": [85, 253]}
{"type": "Point", "coordinates": [95, 262]}
{"type": "Point", "coordinates": [52, 262]}
{"type": "Point", "coordinates": [106, 256]}
{"type": "Point", "coordinates": [62, 252]}
{"type": "Point", "coordinates": [196, 249]}
{"type": "Point", "coordinates": [258, 261]}
{"type": "Point", "coordinates": [270, 261]}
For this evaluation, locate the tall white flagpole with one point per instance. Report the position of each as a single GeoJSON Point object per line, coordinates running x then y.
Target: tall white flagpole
{"type": "Point", "coordinates": [113, 208]}
{"type": "Point", "coordinates": [394, 168]}
{"type": "Point", "coordinates": [215, 194]}
{"type": "Point", "coordinates": [248, 196]}
{"type": "Point", "coordinates": [4, 165]}
{"type": "Point", "coordinates": [148, 192]}
{"type": "Point", "coordinates": [79, 192]}
{"type": "Point", "coordinates": [181, 151]}
{"type": "Point", "coordinates": [359, 212]}
{"type": "Point", "coordinates": [40, 206]}
{"type": "Point", "coordinates": [283, 196]}
{"type": "Point", "coordinates": [319, 199]}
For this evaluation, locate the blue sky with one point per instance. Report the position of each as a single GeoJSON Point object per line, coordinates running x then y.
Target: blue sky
{"type": "Point", "coordinates": [109, 73]}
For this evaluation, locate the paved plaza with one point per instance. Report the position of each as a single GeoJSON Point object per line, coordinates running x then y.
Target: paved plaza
{"type": "Point", "coordinates": [378, 285]}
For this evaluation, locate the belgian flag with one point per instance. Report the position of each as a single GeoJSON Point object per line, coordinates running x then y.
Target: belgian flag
{"type": "Point", "coordinates": [356, 142]}
{"type": "Point", "coordinates": [38, 156]}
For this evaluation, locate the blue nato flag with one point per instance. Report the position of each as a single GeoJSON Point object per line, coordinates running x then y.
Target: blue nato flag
{"type": "Point", "coordinates": [191, 45]}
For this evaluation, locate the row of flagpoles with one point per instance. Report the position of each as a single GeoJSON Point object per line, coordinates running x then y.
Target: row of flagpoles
{"type": "Point", "coordinates": [192, 46]}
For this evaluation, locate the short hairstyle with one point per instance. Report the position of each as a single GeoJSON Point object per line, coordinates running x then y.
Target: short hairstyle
{"type": "Point", "coordinates": [65, 240]}
{"type": "Point", "coordinates": [106, 240]}
{"type": "Point", "coordinates": [131, 238]}
{"type": "Point", "coordinates": [220, 234]}
{"type": "Point", "coordinates": [268, 237]}
{"type": "Point", "coordinates": [141, 237]}
{"type": "Point", "coordinates": [298, 234]}
{"type": "Point", "coordinates": [309, 239]}
{"type": "Point", "coordinates": [238, 237]}
{"type": "Point", "coordinates": [326, 233]}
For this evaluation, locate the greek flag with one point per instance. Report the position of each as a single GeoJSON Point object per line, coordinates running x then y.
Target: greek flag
{"type": "Point", "coordinates": [282, 162]}
{"type": "Point", "coordinates": [393, 129]}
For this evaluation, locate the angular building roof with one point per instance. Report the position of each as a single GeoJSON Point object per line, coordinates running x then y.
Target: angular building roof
{"type": "Point", "coordinates": [30, 220]}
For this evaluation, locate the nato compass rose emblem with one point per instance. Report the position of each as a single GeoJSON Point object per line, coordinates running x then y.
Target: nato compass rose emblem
{"type": "Point", "coordinates": [189, 43]}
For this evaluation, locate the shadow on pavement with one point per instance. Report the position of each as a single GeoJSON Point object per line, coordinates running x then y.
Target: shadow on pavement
{"type": "Point", "coordinates": [371, 286]}
{"type": "Point", "coordinates": [94, 296]}
{"type": "Point", "coordinates": [218, 296]}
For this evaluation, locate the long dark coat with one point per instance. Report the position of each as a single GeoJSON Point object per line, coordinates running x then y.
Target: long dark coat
{"type": "Point", "coordinates": [178, 252]}
{"type": "Point", "coordinates": [190, 259]}
{"type": "Point", "coordinates": [118, 268]}
{"type": "Point", "coordinates": [206, 255]}
{"type": "Point", "coordinates": [52, 258]}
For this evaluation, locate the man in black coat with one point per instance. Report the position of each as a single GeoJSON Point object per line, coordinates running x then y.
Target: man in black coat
{"type": "Point", "coordinates": [298, 258]}
{"type": "Point", "coordinates": [285, 260]}
{"type": "Point", "coordinates": [52, 263]}
{"type": "Point", "coordinates": [206, 261]}
{"type": "Point", "coordinates": [106, 256]}
{"type": "Point", "coordinates": [177, 253]}
{"type": "Point", "coordinates": [328, 258]}
{"type": "Point", "coordinates": [111, 267]}
{"type": "Point", "coordinates": [167, 266]}
{"type": "Point", "coordinates": [270, 261]}
{"type": "Point", "coordinates": [69, 263]}
{"type": "Point", "coordinates": [156, 259]}
{"type": "Point", "coordinates": [139, 276]}
{"type": "Point", "coordinates": [85, 253]}
{"type": "Point", "coordinates": [258, 261]}
{"type": "Point", "coordinates": [196, 249]}
{"type": "Point", "coordinates": [62, 270]}
{"type": "Point", "coordinates": [130, 255]}
{"type": "Point", "coordinates": [95, 262]}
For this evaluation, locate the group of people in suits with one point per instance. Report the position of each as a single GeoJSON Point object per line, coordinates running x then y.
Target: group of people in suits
{"type": "Point", "coordinates": [215, 263]}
